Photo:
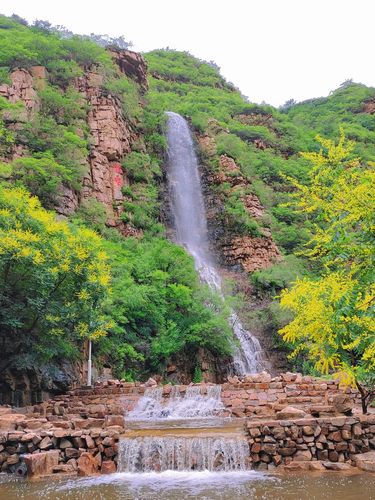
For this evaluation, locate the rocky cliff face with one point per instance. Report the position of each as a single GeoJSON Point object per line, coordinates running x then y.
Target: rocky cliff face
{"type": "Point", "coordinates": [250, 253]}
{"type": "Point", "coordinates": [112, 138]}
{"type": "Point", "coordinates": [112, 135]}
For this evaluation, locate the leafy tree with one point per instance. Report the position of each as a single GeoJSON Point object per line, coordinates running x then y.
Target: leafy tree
{"type": "Point", "coordinates": [159, 309]}
{"type": "Point", "coordinates": [54, 279]}
{"type": "Point", "coordinates": [334, 314]}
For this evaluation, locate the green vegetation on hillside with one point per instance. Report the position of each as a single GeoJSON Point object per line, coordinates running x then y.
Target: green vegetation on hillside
{"type": "Point", "coordinates": [51, 299]}
{"type": "Point", "coordinates": [265, 143]}
{"type": "Point", "coordinates": [158, 312]}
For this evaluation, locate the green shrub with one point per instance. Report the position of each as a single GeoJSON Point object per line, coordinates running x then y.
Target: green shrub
{"type": "Point", "coordinates": [41, 175]}
{"type": "Point", "coordinates": [272, 280]}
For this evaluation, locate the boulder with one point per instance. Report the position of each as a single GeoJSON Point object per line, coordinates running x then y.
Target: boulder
{"type": "Point", "coordinates": [289, 412]}
{"type": "Point", "coordinates": [302, 456]}
{"type": "Point", "coordinates": [114, 420]}
{"type": "Point", "coordinates": [336, 466]}
{"type": "Point", "coordinates": [233, 380]}
{"type": "Point", "coordinates": [46, 443]}
{"type": "Point", "coordinates": [365, 461]}
{"type": "Point", "coordinates": [41, 464]}
{"type": "Point", "coordinates": [87, 465]}
{"type": "Point", "coordinates": [108, 467]}
{"type": "Point", "coordinates": [342, 404]}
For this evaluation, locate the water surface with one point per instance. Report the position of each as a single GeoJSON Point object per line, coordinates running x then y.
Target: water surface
{"type": "Point", "coordinates": [174, 485]}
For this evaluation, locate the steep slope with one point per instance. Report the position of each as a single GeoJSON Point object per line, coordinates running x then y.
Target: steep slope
{"type": "Point", "coordinates": [82, 128]}
{"type": "Point", "coordinates": [248, 151]}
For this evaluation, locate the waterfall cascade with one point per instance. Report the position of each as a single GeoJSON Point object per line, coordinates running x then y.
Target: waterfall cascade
{"type": "Point", "coordinates": [180, 453]}
{"type": "Point", "coordinates": [186, 431]}
{"type": "Point", "coordinates": [190, 224]}
{"type": "Point", "coordinates": [190, 405]}
{"type": "Point", "coordinates": [182, 432]}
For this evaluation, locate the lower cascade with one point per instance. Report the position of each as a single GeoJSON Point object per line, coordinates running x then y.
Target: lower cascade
{"type": "Point", "coordinates": [182, 454]}
{"type": "Point", "coordinates": [182, 432]}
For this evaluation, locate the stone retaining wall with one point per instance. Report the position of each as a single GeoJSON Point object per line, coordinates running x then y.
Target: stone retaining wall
{"type": "Point", "coordinates": [257, 396]}
{"type": "Point", "coordinates": [297, 443]}
{"type": "Point", "coordinates": [81, 446]}
{"type": "Point", "coordinates": [332, 440]}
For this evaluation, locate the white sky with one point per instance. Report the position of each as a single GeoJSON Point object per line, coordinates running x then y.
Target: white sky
{"type": "Point", "coordinates": [273, 50]}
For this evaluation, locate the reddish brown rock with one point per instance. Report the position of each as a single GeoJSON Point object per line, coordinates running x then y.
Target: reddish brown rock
{"type": "Point", "coordinates": [131, 64]}
{"type": "Point", "coordinates": [114, 420]}
{"type": "Point", "coordinates": [21, 89]}
{"type": "Point", "coordinates": [289, 412]}
{"type": "Point", "coordinates": [252, 253]}
{"type": "Point", "coordinates": [41, 464]}
{"type": "Point", "coordinates": [365, 461]}
{"type": "Point", "coordinates": [87, 465]}
{"type": "Point", "coordinates": [108, 467]}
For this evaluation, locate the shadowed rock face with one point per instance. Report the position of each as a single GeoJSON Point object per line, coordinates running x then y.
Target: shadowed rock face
{"type": "Point", "coordinates": [132, 65]}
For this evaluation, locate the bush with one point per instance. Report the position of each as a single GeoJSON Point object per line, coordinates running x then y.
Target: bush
{"type": "Point", "coordinates": [159, 308]}
{"type": "Point", "coordinates": [272, 280]}
{"type": "Point", "coordinates": [41, 175]}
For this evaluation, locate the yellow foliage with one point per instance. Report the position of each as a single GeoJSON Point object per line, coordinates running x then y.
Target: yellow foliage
{"type": "Point", "coordinates": [334, 320]}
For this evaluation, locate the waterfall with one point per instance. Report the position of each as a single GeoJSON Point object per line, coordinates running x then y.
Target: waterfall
{"type": "Point", "coordinates": [190, 224]}
{"type": "Point", "coordinates": [182, 454]}
{"type": "Point", "coordinates": [190, 405]}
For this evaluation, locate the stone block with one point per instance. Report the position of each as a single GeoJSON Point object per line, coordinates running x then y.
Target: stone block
{"type": "Point", "coordinates": [41, 464]}
{"type": "Point", "coordinates": [87, 465]}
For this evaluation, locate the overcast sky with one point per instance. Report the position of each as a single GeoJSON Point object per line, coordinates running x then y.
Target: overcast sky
{"type": "Point", "coordinates": [273, 50]}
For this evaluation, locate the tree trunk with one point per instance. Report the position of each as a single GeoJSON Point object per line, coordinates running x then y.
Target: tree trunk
{"type": "Point", "coordinates": [364, 395]}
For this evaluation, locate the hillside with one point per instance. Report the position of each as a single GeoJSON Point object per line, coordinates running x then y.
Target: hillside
{"type": "Point", "coordinates": [82, 128]}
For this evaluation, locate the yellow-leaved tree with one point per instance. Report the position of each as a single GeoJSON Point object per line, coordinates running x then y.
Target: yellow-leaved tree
{"type": "Point", "coordinates": [54, 278]}
{"type": "Point", "coordinates": [333, 314]}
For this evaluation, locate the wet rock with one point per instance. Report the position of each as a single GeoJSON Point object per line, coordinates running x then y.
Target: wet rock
{"type": "Point", "coordinates": [13, 459]}
{"type": "Point", "coordinates": [41, 464]}
{"type": "Point", "coordinates": [336, 466]}
{"type": "Point", "coordinates": [108, 467]}
{"type": "Point", "coordinates": [365, 461]}
{"type": "Point", "coordinates": [151, 382]}
{"type": "Point", "coordinates": [111, 420]}
{"type": "Point", "coordinates": [87, 465]}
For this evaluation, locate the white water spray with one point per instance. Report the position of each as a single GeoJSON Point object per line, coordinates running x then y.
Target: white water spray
{"type": "Point", "coordinates": [155, 453]}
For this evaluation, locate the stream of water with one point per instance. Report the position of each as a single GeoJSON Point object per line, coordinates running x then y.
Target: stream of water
{"type": "Point", "coordinates": [175, 485]}
{"type": "Point", "coordinates": [190, 224]}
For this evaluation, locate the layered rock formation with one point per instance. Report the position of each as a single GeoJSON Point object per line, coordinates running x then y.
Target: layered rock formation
{"type": "Point", "coordinates": [22, 89]}
{"type": "Point", "coordinates": [112, 137]}
{"type": "Point", "coordinates": [112, 134]}
{"type": "Point", "coordinates": [252, 253]}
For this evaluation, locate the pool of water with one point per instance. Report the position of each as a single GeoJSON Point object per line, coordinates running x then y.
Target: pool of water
{"type": "Point", "coordinates": [173, 485]}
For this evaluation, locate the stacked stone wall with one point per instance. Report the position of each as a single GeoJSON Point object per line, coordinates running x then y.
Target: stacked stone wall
{"type": "Point", "coordinates": [310, 443]}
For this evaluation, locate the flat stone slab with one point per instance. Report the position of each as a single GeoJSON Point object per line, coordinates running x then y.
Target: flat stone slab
{"type": "Point", "coordinates": [365, 461]}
